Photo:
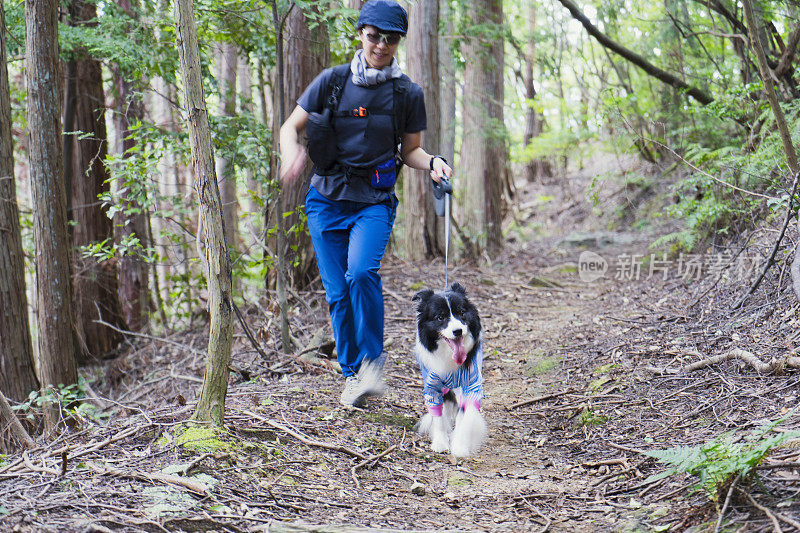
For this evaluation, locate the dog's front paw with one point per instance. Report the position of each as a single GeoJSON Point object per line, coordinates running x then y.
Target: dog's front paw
{"type": "Point", "coordinates": [460, 449]}
{"type": "Point", "coordinates": [469, 434]}
{"type": "Point", "coordinates": [440, 445]}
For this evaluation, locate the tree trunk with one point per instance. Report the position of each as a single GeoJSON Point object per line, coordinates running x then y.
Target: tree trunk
{"type": "Point", "coordinates": [95, 291]}
{"type": "Point", "coordinates": [278, 118]}
{"type": "Point", "coordinates": [17, 369]}
{"type": "Point", "coordinates": [211, 405]}
{"type": "Point", "coordinates": [483, 149]}
{"type": "Point", "coordinates": [421, 236]}
{"type": "Point", "coordinates": [227, 58]}
{"type": "Point", "coordinates": [535, 169]}
{"type": "Point", "coordinates": [447, 88]}
{"type": "Point", "coordinates": [308, 53]}
{"type": "Point", "coordinates": [131, 222]}
{"type": "Point", "coordinates": [54, 294]}
{"type": "Point", "coordinates": [245, 79]}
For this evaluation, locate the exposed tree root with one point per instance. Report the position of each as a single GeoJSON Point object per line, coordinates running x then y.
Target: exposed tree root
{"type": "Point", "coordinates": [773, 367]}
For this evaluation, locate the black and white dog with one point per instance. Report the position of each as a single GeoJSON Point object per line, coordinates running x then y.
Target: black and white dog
{"type": "Point", "coordinates": [450, 356]}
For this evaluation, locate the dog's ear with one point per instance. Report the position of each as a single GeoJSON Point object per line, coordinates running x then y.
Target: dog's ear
{"type": "Point", "coordinates": [422, 296]}
{"type": "Point", "coordinates": [457, 287]}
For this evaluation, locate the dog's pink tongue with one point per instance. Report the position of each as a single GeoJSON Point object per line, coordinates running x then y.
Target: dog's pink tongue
{"type": "Point", "coordinates": [459, 353]}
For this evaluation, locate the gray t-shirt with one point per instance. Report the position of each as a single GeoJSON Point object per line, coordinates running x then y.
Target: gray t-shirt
{"type": "Point", "coordinates": [362, 142]}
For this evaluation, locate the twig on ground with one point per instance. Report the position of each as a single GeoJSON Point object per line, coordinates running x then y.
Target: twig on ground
{"type": "Point", "coordinates": [624, 448]}
{"type": "Point", "coordinates": [770, 514]}
{"type": "Point", "coordinates": [304, 438]}
{"type": "Point", "coordinates": [727, 501]}
{"type": "Point", "coordinates": [538, 399]}
{"type": "Point", "coordinates": [33, 468]}
{"type": "Point", "coordinates": [368, 460]}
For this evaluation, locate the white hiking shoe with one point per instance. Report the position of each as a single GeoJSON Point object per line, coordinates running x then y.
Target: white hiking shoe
{"type": "Point", "coordinates": [368, 382]}
{"type": "Point", "coordinates": [352, 395]}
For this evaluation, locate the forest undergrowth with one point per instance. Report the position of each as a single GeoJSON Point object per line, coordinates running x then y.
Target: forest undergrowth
{"type": "Point", "coordinates": [594, 395]}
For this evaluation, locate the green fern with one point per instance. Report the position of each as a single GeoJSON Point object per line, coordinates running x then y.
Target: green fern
{"type": "Point", "coordinates": [717, 462]}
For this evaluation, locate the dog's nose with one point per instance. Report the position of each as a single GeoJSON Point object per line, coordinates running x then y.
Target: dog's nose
{"type": "Point", "coordinates": [457, 333]}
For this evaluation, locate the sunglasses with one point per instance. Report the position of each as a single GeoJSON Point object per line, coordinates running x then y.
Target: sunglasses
{"type": "Point", "coordinates": [390, 39]}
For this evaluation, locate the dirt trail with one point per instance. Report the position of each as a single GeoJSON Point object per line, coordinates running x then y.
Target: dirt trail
{"type": "Point", "coordinates": [586, 354]}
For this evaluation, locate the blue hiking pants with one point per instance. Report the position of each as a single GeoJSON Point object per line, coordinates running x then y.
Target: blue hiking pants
{"type": "Point", "coordinates": [349, 241]}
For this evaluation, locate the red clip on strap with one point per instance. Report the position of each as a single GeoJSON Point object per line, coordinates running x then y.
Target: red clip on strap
{"type": "Point", "coordinates": [360, 112]}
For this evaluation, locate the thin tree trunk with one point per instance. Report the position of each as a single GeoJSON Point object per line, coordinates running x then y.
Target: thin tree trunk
{"type": "Point", "coordinates": [783, 130]}
{"type": "Point", "coordinates": [483, 149]}
{"type": "Point", "coordinates": [211, 405]}
{"type": "Point", "coordinates": [131, 222]}
{"type": "Point", "coordinates": [772, 95]}
{"type": "Point", "coordinates": [447, 88]}
{"type": "Point", "coordinates": [536, 168]}
{"type": "Point", "coordinates": [308, 53]}
{"type": "Point", "coordinates": [95, 290]}
{"type": "Point", "coordinates": [247, 107]}
{"type": "Point", "coordinates": [278, 118]}
{"type": "Point", "coordinates": [227, 58]}
{"type": "Point", "coordinates": [421, 235]}
{"type": "Point", "coordinates": [173, 260]}
{"type": "Point", "coordinates": [54, 293]}
{"type": "Point", "coordinates": [17, 370]}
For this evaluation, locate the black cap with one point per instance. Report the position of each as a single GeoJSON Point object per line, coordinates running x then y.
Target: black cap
{"type": "Point", "coordinates": [386, 15]}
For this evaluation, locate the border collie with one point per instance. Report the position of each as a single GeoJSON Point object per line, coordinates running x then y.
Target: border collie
{"type": "Point", "coordinates": [450, 357]}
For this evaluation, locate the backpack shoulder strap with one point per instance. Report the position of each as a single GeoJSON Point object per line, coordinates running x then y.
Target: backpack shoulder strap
{"type": "Point", "coordinates": [401, 86]}
{"type": "Point", "coordinates": [336, 86]}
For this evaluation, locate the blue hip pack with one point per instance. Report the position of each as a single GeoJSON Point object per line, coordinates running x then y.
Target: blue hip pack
{"type": "Point", "coordinates": [385, 175]}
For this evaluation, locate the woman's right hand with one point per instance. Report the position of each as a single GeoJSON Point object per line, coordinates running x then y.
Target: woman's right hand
{"type": "Point", "coordinates": [293, 159]}
{"type": "Point", "coordinates": [293, 154]}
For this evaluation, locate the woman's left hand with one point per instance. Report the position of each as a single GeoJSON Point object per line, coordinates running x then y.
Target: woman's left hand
{"type": "Point", "coordinates": [440, 170]}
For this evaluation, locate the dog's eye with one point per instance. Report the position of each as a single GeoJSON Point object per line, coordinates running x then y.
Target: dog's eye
{"type": "Point", "coordinates": [440, 316]}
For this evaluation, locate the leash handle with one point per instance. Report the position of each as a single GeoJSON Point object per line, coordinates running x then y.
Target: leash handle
{"type": "Point", "coordinates": [440, 191]}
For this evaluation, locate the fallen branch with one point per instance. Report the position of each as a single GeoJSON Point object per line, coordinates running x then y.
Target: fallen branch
{"type": "Point", "coordinates": [191, 484]}
{"type": "Point", "coordinates": [538, 399]}
{"type": "Point", "coordinates": [304, 438]}
{"type": "Point", "coordinates": [8, 418]}
{"type": "Point", "coordinates": [776, 526]}
{"type": "Point", "coordinates": [776, 365]}
{"type": "Point", "coordinates": [727, 502]}
{"type": "Point", "coordinates": [20, 466]}
{"type": "Point", "coordinates": [40, 469]}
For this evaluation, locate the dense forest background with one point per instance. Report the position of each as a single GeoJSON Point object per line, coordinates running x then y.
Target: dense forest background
{"type": "Point", "coordinates": [139, 165]}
